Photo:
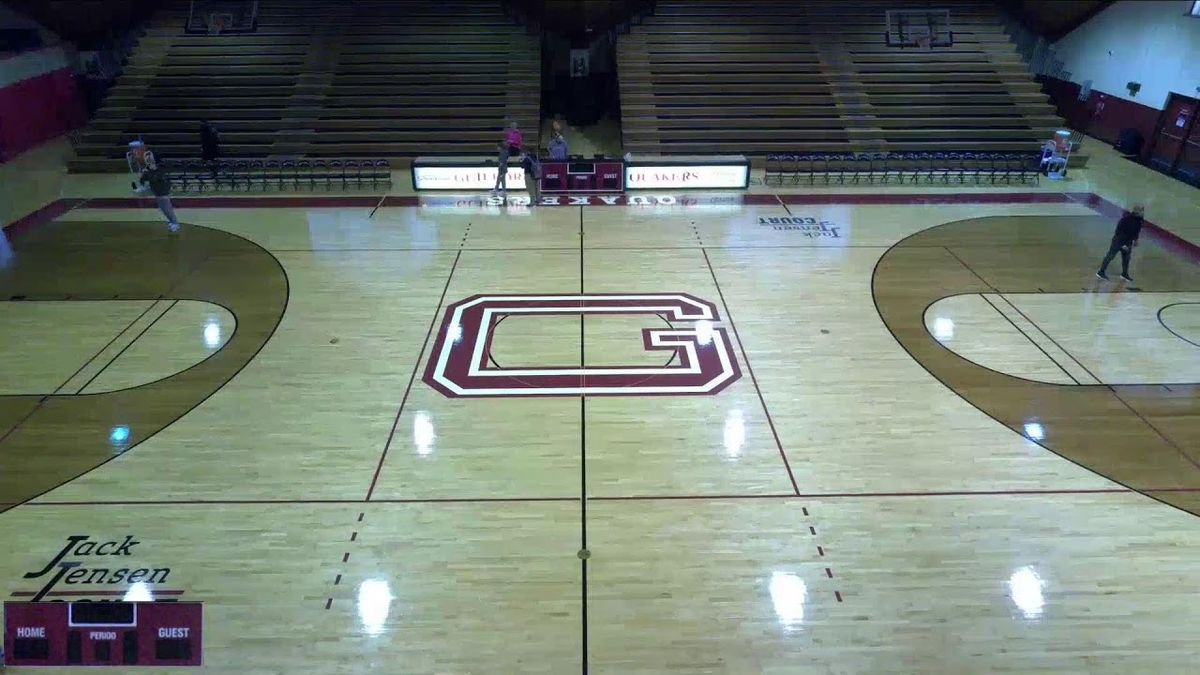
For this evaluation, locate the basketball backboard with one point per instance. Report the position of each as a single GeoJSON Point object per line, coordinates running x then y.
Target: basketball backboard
{"type": "Point", "coordinates": [919, 28]}
{"type": "Point", "coordinates": [215, 17]}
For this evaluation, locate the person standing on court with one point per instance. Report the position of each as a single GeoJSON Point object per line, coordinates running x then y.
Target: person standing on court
{"type": "Point", "coordinates": [501, 171]}
{"type": "Point", "coordinates": [160, 184]}
{"type": "Point", "coordinates": [210, 147]}
{"type": "Point", "coordinates": [1123, 241]}
{"type": "Point", "coordinates": [512, 138]}
{"type": "Point", "coordinates": [533, 176]}
{"type": "Point", "coordinates": [558, 144]}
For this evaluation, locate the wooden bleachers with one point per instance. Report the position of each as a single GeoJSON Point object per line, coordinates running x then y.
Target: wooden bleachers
{"type": "Point", "coordinates": [368, 78]}
{"type": "Point", "coordinates": [758, 77]}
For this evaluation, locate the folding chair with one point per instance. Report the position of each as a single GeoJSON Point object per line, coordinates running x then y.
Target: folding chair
{"type": "Point", "coordinates": [363, 172]}
{"type": "Point", "coordinates": [1031, 164]}
{"type": "Point", "coordinates": [911, 161]}
{"type": "Point", "coordinates": [933, 160]}
{"type": "Point", "coordinates": [320, 172]}
{"type": "Point", "coordinates": [337, 171]}
{"type": "Point", "coordinates": [257, 174]}
{"type": "Point", "coordinates": [858, 164]}
{"type": "Point", "coordinates": [1014, 167]}
{"type": "Point", "coordinates": [879, 167]}
{"type": "Point", "coordinates": [818, 163]}
{"type": "Point", "coordinates": [177, 172]}
{"type": "Point", "coordinates": [774, 168]}
{"type": "Point", "coordinates": [241, 174]}
{"type": "Point", "coordinates": [383, 173]}
{"type": "Point", "coordinates": [786, 168]}
{"type": "Point", "coordinates": [272, 173]}
{"type": "Point", "coordinates": [954, 167]}
{"type": "Point", "coordinates": [793, 167]}
{"type": "Point", "coordinates": [988, 164]}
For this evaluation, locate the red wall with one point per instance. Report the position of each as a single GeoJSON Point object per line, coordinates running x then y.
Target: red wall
{"type": "Point", "coordinates": [37, 109]}
{"type": "Point", "coordinates": [1101, 115]}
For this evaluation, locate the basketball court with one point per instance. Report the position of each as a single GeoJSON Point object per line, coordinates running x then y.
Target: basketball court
{"type": "Point", "coordinates": [836, 431]}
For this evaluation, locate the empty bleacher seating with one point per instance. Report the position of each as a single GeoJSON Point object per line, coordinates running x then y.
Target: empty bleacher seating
{"type": "Point", "coordinates": [369, 78]}
{"type": "Point", "coordinates": [761, 77]}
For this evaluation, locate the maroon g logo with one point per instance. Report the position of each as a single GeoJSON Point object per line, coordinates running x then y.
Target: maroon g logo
{"type": "Point", "coordinates": [458, 365]}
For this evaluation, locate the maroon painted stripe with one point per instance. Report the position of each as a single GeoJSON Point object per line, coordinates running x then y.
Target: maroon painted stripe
{"type": "Point", "coordinates": [66, 594]}
{"type": "Point", "coordinates": [928, 198]}
{"type": "Point", "coordinates": [407, 200]}
{"type": "Point", "coordinates": [1161, 235]}
{"type": "Point", "coordinates": [41, 216]}
{"type": "Point", "coordinates": [237, 202]}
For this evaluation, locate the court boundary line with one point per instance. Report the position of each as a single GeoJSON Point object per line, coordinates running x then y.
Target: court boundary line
{"type": "Point", "coordinates": [1046, 335]}
{"type": "Point", "coordinates": [837, 593]}
{"type": "Point", "coordinates": [1170, 330]}
{"type": "Point", "coordinates": [583, 554]}
{"type": "Point", "coordinates": [131, 343]}
{"type": "Point", "coordinates": [995, 291]}
{"type": "Point", "coordinates": [102, 349]}
{"type": "Point", "coordinates": [750, 370]}
{"type": "Point", "coordinates": [412, 378]}
{"type": "Point", "coordinates": [915, 494]}
{"type": "Point", "coordinates": [1020, 330]}
{"type": "Point", "coordinates": [1092, 200]}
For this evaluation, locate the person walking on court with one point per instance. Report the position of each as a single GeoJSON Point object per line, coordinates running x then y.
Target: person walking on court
{"type": "Point", "coordinates": [501, 171]}
{"type": "Point", "coordinates": [160, 184]}
{"type": "Point", "coordinates": [210, 147]}
{"type": "Point", "coordinates": [1124, 239]}
{"type": "Point", "coordinates": [140, 158]}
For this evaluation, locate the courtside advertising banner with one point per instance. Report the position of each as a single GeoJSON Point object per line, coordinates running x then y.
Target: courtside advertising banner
{"type": "Point", "coordinates": [709, 177]}
{"type": "Point", "coordinates": [465, 177]}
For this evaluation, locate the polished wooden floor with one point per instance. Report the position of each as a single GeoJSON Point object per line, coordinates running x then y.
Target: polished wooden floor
{"type": "Point", "coordinates": [942, 445]}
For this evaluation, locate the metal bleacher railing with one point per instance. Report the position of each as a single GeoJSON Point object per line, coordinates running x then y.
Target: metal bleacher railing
{"type": "Point", "coordinates": [265, 175]}
{"type": "Point", "coordinates": [903, 167]}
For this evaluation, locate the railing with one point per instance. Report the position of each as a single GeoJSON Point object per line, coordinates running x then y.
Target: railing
{"type": "Point", "coordinates": [904, 167]}
{"type": "Point", "coordinates": [264, 175]}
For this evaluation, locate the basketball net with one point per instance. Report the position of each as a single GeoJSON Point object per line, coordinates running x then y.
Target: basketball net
{"type": "Point", "coordinates": [925, 42]}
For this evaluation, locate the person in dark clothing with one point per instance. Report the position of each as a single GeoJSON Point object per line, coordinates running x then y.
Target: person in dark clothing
{"type": "Point", "coordinates": [533, 175]}
{"type": "Point", "coordinates": [160, 185]}
{"type": "Point", "coordinates": [501, 171]}
{"type": "Point", "coordinates": [1123, 241]}
{"type": "Point", "coordinates": [210, 147]}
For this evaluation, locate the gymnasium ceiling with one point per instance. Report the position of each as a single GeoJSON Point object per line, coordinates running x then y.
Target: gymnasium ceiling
{"type": "Point", "coordinates": [84, 22]}
{"type": "Point", "coordinates": [88, 21]}
{"type": "Point", "coordinates": [1054, 18]}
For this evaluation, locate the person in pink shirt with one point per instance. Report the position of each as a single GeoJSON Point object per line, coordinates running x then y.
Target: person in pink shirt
{"type": "Point", "coordinates": [512, 138]}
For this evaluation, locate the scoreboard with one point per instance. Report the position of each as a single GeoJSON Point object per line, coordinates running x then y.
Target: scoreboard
{"type": "Point", "coordinates": [583, 176]}
{"type": "Point", "coordinates": [102, 633]}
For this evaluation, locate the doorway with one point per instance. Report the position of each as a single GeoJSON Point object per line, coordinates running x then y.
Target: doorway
{"type": "Point", "coordinates": [1175, 148]}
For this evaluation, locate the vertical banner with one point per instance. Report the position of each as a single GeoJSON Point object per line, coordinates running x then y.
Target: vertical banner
{"type": "Point", "coordinates": [581, 62]}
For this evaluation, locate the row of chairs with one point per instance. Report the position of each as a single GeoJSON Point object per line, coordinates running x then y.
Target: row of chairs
{"type": "Point", "coordinates": [903, 167]}
{"type": "Point", "coordinates": [197, 176]}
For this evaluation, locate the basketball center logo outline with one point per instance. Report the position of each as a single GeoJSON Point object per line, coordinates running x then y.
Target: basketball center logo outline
{"type": "Point", "coordinates": [458, 364]}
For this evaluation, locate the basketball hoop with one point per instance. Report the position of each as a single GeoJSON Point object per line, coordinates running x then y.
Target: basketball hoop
{"type": "Point", "coordinates": [219, 22]}
{"type": "Point", "coordinates": [924, 42]}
